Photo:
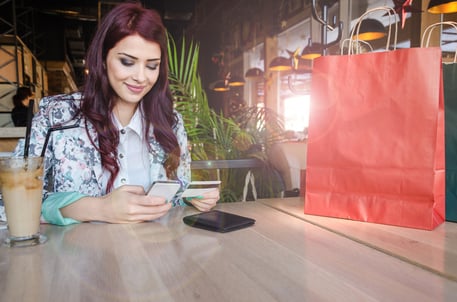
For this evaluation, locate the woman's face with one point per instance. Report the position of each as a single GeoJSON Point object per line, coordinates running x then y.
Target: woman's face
{"type": "Point", "coordinates": [133, 68]}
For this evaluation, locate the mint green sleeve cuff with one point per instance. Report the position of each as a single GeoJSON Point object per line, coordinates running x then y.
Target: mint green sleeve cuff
{"type": "Point", "coordinates": [54, 202]}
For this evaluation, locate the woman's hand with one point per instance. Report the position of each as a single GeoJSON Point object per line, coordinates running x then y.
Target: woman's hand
{"type": "Point", "coordinates": [126, 204]}
{"type": "Point", "coordinates": [207, 201]}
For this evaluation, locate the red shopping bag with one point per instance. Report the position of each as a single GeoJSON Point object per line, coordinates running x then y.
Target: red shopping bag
{"type": "Point", "coordinates": [376, 138]}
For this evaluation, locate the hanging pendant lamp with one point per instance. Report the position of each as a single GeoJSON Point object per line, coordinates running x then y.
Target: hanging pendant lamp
{"type": "Point", "coordinates": [220, 86]}
{"type": "Point", "coordinates": [280, 64]}
{"type": "Point", "coordinates": [442, 6]}
{"type": "Point", "coordinates": [254, 73]}
{"type": "Point", "coordinates": [236, 81]}
{"type": "Point", "coordinates": [312, 51]}
{"type": "Point", "coordinates": [370, 29]}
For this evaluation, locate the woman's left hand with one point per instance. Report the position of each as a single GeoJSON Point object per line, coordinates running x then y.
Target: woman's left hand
{"type": "Point", "coordinates": [207, 201]}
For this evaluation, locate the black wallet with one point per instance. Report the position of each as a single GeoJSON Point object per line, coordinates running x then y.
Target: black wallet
{"type": "Point", "coordinates": [218, 221]}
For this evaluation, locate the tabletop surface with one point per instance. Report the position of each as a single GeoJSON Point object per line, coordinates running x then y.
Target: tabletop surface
{"type": "Point", "coordinates": [432, 250]}
{"type": "Point", "coordinates": [283, 257]}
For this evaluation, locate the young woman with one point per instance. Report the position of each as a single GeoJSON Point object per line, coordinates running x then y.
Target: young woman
{"type": "Point", "coordinates": [120, 133]}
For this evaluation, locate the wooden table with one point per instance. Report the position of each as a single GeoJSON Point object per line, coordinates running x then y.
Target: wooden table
{"type": "Point", "coordinates": [282, 257]}
{"type": "Point", "coordinates": [435, 250]}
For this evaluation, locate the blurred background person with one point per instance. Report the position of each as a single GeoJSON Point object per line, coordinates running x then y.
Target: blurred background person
{"type": "Point", "coordinates": [21, 102]}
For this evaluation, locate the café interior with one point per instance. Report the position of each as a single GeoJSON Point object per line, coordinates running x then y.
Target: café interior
{"type": "Point", "coordinates": [254, 56]}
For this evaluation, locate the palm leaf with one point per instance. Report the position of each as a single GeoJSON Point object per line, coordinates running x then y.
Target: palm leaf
{"type": "Point", "coordinates": [212, 135]}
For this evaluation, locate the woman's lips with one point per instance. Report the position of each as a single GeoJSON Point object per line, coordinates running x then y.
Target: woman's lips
{"type": "Point", "coordinates": [135, 89]}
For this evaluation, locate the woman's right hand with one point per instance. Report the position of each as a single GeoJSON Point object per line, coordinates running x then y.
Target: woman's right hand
{"type": "Point", "coordinates": [126, 204]}
{"type": "Point", "coordinates": [129, 204]}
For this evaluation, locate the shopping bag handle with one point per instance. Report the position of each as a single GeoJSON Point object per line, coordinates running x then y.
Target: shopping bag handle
{"type": "Point", "coordinates": [359, 43]}
{"type": "Point", "coordinates": [425, 41]}
{"type": "Point", "coordinates": [355, 43]}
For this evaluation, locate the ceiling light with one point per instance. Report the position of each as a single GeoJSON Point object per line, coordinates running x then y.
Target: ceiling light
{"type": "Point", "coordinates": [236, 81]}
{"type": "Point", "coordinates": [370, 29]}
{"type": "Point", "coordinates": [254, 73]}
{"type": "Point", "coordinates": [280, 64]}
{"type": "Point", "coordinates": [220, 86]}
{"type": "Point", "coordinates": [442, 6]}
{"type": "Point", "coordinates": [312, 51]}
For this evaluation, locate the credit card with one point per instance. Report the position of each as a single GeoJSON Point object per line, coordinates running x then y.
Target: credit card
{"type": "Point", "coordinates": [198, 188]}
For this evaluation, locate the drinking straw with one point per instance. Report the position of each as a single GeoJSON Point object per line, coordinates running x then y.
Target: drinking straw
{"type": "Point", "coordinates": [48, 134]}
{"type": "Point", "coordinates": [28, 127]}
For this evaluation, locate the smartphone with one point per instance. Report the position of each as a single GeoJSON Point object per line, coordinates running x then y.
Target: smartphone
{"type": "Point", "coordinates": [164, 188]}
{"type": "Point", "coordinates": [218, 221]}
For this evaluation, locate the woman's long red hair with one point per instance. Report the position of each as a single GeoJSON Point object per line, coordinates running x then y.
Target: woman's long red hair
{"type": "Point", "coordinates": [98, 97]}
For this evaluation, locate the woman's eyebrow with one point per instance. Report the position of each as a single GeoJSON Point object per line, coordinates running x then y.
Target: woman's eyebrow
{"type": "Point", "coordinates": [135, 58]}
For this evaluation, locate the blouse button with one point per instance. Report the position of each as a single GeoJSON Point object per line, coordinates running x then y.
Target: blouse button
{"type": "Point", "coordinates": [121, 155]}
{"type": "Point", "coordinates": [123, 180]}
{"type": "Point", "coordinates": [122, 131]}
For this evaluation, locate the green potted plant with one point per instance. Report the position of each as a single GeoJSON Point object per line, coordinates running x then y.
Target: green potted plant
{"type": "Point", "coordinates": [247, 133]}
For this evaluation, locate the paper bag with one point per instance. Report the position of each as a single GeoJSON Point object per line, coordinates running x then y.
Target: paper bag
{"type": "Point", "coordinates": [376, 138]}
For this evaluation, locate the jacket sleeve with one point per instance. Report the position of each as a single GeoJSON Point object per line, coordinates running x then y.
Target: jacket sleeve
{"type": "Point", "coordinates": [52, 204]}
{"type": "Point", "coordinates": [183, 171]}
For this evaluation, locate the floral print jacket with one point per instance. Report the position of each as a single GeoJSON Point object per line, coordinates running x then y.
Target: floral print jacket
{"type": "Point", "coordinates": [73, 164]}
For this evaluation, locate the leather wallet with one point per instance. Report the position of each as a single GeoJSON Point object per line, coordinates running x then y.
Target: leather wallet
{"type": "Point", "coordinates": [218, 221]}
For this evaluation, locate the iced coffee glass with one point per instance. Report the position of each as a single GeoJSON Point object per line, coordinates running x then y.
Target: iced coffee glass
{"type": "Point", "coordinates": [21, 184]}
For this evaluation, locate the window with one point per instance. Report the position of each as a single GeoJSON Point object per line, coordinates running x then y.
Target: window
{"type": "Point", "coordinates": [296, 112]}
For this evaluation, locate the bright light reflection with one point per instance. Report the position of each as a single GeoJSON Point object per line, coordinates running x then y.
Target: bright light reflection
{"type": "Point", "coordinates": [296, 112]}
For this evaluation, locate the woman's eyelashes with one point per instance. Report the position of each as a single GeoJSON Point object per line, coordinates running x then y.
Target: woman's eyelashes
{"type": "Point", "coordinates": [153, 66]}
{"type": "Point", "coordinates": [130, 62]}
{"type": "Point", "coordinates": [127, 62]}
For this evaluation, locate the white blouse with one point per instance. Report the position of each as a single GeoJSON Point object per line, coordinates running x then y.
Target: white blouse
{"type": "Point", "coordinates": [132, 153]}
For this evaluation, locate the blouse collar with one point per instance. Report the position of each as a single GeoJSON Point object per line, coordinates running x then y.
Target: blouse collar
{"type": "Point", "coordinates": [135, 123]}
